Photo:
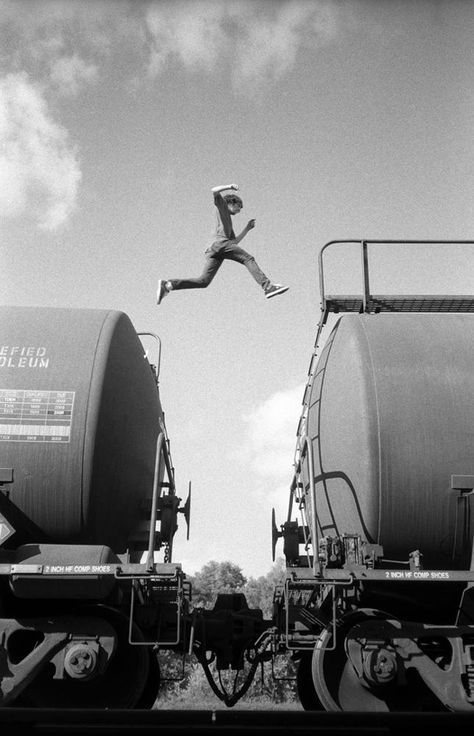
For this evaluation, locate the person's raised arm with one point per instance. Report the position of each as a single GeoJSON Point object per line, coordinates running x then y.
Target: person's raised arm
{"type": "Point", "coordinates": [217, 190]}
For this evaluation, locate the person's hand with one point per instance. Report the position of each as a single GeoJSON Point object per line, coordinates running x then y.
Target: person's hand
{"type": "Point", "coordinates": [251, 224]}
{"type": "Point", "coordinates": [234, 187]}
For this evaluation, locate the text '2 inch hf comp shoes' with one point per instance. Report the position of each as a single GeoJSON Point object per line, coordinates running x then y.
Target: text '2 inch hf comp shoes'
{"type": "Point", "coordinates": [275, 289]}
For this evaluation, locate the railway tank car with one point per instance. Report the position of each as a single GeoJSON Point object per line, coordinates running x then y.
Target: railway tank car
{"type": "Point", "coordinates": [80, 443]}
{"type": "Point", "coordinates": [389, 421]}
{"type": "Point", "coordinates": [377, 603]}
{"type": "Point", "coordinates": [87, 491]}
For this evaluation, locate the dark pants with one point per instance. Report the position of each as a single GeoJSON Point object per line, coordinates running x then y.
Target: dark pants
{"type": "Point", "coordinates": [215, 255]}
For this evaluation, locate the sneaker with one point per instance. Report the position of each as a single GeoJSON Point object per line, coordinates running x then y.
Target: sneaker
{"type": "Point", "coordinates": [161, 291]}
{"type": "Point", "coordinates": [275, 289]}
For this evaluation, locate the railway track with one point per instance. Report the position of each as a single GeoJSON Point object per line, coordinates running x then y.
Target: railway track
{"type": "Point", "coordinates": [59, 722]}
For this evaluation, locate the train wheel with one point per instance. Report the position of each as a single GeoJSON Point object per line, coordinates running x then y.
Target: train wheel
{"type": "Point", "coordinates": [338, 685]}
{"type": "Point", "coordinates": [131, 679]}
{"type": "Point", "coordinates": [152, 684]}
{"type": "Point", "coordinates": [304, 683]}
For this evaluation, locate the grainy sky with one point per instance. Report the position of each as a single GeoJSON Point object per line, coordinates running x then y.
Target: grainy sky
{"type": "Point", "coordinates": [338, 119]}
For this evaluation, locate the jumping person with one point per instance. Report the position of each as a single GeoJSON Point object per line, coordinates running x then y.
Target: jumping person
{"type": "Point", "coordinates": [225, 246]}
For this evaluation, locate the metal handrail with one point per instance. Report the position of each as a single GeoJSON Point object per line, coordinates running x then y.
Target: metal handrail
{"type": "Point", "coordinates": [161, 451]}
{"type": "Point", "coordinates": [305, 444]}
{"type": "Point", "coordinates": [142, 642]}
{"type": "Point", "coordinates": [365, 264]}
{"type": "Point", "coordinates": [158, 339]}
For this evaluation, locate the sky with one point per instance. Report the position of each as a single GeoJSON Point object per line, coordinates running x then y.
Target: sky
{"type": "Point", "coordinates": [338, 119]}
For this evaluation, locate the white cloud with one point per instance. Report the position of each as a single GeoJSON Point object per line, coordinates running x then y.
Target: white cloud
{"type": "Point", "coordinates": [191, 32]}
{"type": "Point", "coordinates": [269, 42]}
{"type": "Point", "coordinates": [268, 450]}
{"type": "Point", "coordinates": [49, 48]}
{"type": "Point", "coordinates": [271, 433]}
{"type": "Point", "coordinates": [52, 48]}
{"type": "Point", "coordinates": [57, 41]}
{"type": "Point", "coordinates": [259, 40]}
{"type": "Point", "coordinates": [39, 170]}
{"type": "Point", "coordinates": [70, 73]}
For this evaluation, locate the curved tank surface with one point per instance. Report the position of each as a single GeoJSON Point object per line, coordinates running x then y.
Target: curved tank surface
{"type": "Point", "coordinates": [390, 419]}
{"type": "Point", "coordinates": [79, 419]}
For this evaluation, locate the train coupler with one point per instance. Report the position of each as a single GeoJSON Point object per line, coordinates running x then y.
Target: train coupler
{"type": "Point", "coordinates": [228, 630]}
{"type": "Point", "coordinates": [230, 642]}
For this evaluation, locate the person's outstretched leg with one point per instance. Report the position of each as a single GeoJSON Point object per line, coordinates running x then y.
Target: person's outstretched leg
{"type": "Point", "coordinates": [211, 267]}
{"type": "Point", "coordinates": [233, 252]}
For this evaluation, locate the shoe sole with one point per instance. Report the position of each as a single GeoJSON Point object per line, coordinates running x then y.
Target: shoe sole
{"type": "Point", "coordinates": [159, 291]}
{"type": "Point", "coordinates": [277, 291]}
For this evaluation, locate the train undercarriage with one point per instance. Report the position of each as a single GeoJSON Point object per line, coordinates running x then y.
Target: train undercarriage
{"type": "Point", "coordinates": [355, 646]}
{"type": "Point", "coordinates": [346, 628]}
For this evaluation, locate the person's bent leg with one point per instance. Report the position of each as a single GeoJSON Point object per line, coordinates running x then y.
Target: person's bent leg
{"type": "Point", "coordinates": [254, 269]}
{"type": "Point", "coordinates": [235, 253]}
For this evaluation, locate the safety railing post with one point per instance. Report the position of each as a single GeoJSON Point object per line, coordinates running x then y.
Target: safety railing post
{"type": "Point", "coordinates": [158, 359]}
{"type": "Point", "coordinates": [154, 502]}
{"type": "Point", "coordinates": [161, 452]}
{"type": "Point", "coordinates": [305, 447]}
{"type": "Point", "coordinates": [365, 276]}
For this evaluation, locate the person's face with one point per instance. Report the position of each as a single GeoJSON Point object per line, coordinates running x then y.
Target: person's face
{"type": "Point", "coordinates": [234, 206]}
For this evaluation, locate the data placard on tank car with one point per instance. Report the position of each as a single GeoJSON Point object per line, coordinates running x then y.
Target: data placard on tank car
{"type": "Point", "coordinates": [35, 416]}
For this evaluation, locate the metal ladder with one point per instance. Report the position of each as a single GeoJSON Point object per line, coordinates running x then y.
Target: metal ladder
{"type": "Point", "coordinates": [158, 507]}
